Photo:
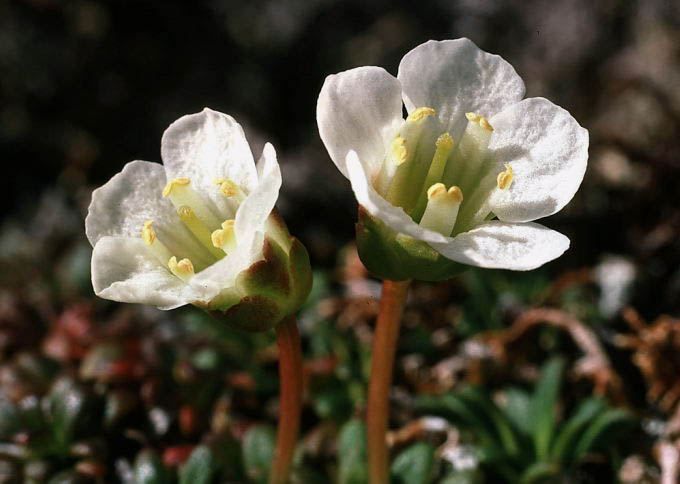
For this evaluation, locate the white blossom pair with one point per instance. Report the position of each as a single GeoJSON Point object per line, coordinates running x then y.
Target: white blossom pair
{"type": "Point", "coordinates": [468, 171]}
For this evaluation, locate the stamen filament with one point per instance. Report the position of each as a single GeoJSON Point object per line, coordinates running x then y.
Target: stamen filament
{"type": "Point", "coordinates": [225, 238]}
{"type": "Point", "coordinates": [405, 186]}
{"type": "Point", "coordinates": [396, 156]}
{"type": "Point", "coordinates": [183, 269]}
{"type": "Point", "coordinates": [158, 248]}
{"type": "Point", "coordinates": [198, 228]}
{"type": "Point", "coordinates": [444, 145]}
{"type": "Point", "coordinates": [469, 158]}
{"type": "Point", "coordinates": [180, 193]}
{"type": "Point", "coordinates": [442, 208]}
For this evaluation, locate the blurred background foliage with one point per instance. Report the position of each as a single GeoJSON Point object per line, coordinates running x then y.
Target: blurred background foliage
{"type": "Point", "coordinates": [500, 377]}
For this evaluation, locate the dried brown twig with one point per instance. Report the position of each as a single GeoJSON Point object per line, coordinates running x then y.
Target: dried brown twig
{"type": "Point", "coordinates": [594, 363]}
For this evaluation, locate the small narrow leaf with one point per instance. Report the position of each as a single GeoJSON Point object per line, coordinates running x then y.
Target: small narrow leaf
{"type": "Point", "coordinates": [199, 468]}
{"type": "Point", "coordinates": [607, 427]}
{"type": "Point", "coordinates": [258, 452]}
{"type": "Point", "coordinates": [544, 405]}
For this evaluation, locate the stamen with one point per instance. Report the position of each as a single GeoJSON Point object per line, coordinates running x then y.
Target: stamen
{"type": "Point", "coordinates": [180, 193]}
{"type": "Point", "coordinates": [183, 269]}
{"type": "Point", "coordinates": [467, 166]}
{"type": "Point", "coordinates": [442, 208]}
{"type": "Point", "coordinates": [225, 238]}
{"type": "Point", "coordinates": [230, 189]}
{"type": "Point", "coordinates": [160, 251]}
{"type": "Point", "coordinates": [396, 156]}
{"type": "Point", "coordinates": [444, 144]}
{"type": "Point", "coordinates": [420, 114]}
{"type": "Point", "coordinates": [504, 179]}
{"type": "Point", "coordinates": [198, 228]}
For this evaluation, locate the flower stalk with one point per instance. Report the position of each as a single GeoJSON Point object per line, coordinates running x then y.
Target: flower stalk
{"type": "Point", "coordinates": [290, 377]}
{"type": "Point", "coordinates": [385, 337]}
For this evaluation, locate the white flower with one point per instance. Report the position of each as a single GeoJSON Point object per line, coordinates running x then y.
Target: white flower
{"type": "Point", "coordinates": [470, 151]}
{"type": "Point", "coordinates": [187, 231]}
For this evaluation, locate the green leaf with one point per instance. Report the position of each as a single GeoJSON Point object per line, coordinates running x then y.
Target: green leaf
{"type": "Point", "coordinates": [471, 476]}
{"type": "Point", "coordinates": [544, 405]}
{"type": "Point", "coordinates": [333, 403]}
{"type": "Point", "coordinates": [607, 427]}
{"type": "Point", "coordinates": [71, 411]}
{"type": "Point", "coordinates": [200, 468]}
{"type": "Point", "coordinates": [539, 472]}
{"type": "Point", "coordinates": [149, 468]}
{"type": "Point", "coordinates": [563, 446]}
{"type": "Point", "coordinates": [517, 407]}
{"type": "Point", "coordinates": [414, 465]}
{"type": "Point", "coordinates": [258, 452]}
{"type": "Point", "coordinates": [453, 407]}
{"type": "Point", "coordinates": [352, 453]}
{"type": "Point", "coordinates": [9, 419]}
{"type": "Point", "coordinates": [503, 429]}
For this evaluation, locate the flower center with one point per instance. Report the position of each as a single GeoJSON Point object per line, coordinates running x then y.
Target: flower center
{"type": "Point", "coordinates": [199, 219]}
{"type": "Point", "coordinates": [422, 162]}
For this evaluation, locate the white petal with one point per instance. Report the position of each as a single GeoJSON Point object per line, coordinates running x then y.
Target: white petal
{"type": "Point", "coordinates": [393, 217]}
{"type": "Point", "coordinates": [206, 146]}
{"type": "Point", "coordinates": [130, 198]}
{"type": "Point", "coordinates": [360, 110]}
{"type": "Point", "coordinates": [257, 206]}
{"type": "Point", "coordinates": [123, 269]}
{"type": "Point", "coordinates": [455, 77]}
{"type": "Point", "coordinates": [249, 227]}
{"type": "Point", "coordinates": [548, 152]}
{"type": "Point", "coordinates": [500, 245]}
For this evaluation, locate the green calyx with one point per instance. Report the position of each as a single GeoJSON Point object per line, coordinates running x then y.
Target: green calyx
{"type": "Point", "coordinates": [269, 290]}
{"type": "Point", "coordinates": [388, 254]}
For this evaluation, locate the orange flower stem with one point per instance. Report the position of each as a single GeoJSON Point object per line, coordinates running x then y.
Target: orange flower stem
{"type": "Point", "coordinates": [385, 337]}
{"type": "Point", "coordinates": [290, 376]}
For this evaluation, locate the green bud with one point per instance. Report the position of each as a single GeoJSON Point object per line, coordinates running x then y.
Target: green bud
{"type": "Point", "coordinates": [269, 290]}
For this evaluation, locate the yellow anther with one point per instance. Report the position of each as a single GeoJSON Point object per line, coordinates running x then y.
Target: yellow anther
{"type": "Point", "coordinates": [228, 188]}
{"type": "Point", "coordinates": [480, 120]}
{"type": "Point", "coordinates": [456, 194]}
{"type": "Point", "coordinates": [174, 183]}
{"type": "Point", "coordinates": [183, 269]}
{"type": "Point", "coordinates": [225, 238]}
{"type": "Point", "coordinates": [148, 233]}
{"type": "Point", "coordinates": [484, 123]}
{"type": "Point", "coordinates": [505, 178]}
{"type": "Point", "coordinates": [436, 189]}
{"type": "Point", "coordinates": [399, 151]}
{"type": "Point", "coordinates": [420, 114]}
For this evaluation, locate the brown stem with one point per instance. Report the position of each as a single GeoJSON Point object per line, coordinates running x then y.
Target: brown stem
{"type": "Point", "coordinates": [290, 375]}
{"type": "Point", "coordinates": [384, 348]}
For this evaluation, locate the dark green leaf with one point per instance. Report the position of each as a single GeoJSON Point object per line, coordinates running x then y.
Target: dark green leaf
{"type": "Point", "coordinates": [414, 465]}
{"type": "Point", "coordinates": [563, 446]}
{"type": "Point", "coordinates": [517, 405]}
{"type": "Point", "coordinates": [258, 452]}
{"type": "Point", "coordinates": [608, 426]}
{"type": "Point", "coordinates": [200, 468]}
{"type": "Point", "coordinates": [539, 472]}
{"type": "Point", "coordinates": [352, 453]}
